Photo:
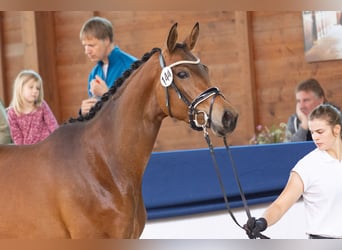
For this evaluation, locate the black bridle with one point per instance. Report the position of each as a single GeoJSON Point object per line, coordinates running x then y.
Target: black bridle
{"type": "Point", "coordinates": [166, 79]}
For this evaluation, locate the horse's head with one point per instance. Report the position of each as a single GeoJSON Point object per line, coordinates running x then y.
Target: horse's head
{"type": "Point", "coordinates": [186, 92]}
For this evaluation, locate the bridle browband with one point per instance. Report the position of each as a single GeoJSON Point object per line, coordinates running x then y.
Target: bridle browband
{"type": "Point", "coordinates": [166, 79]}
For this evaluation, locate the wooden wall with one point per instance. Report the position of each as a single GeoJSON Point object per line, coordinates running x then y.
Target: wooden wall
{"type": "Point", "coordinates": [255, 58]}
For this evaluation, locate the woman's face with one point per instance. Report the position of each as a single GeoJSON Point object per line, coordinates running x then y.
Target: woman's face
{"type": "Point", "coordinates": [323, 134]}
{"type": "Point", "coordinates": [31, 91]}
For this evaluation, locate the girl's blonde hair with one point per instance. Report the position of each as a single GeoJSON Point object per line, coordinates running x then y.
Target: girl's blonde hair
{"type": "Point", "coordinates": [23, 77]}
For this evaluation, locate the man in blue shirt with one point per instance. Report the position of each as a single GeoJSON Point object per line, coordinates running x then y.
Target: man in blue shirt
{"type": "Point", "coordinates": [97, 38]}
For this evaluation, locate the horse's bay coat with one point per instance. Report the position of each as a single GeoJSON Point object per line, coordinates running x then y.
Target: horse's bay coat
{"type": "Point", "coordinates": [85, 179]}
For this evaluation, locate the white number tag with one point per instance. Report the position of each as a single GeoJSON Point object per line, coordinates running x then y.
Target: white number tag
{"type": "Point", "coordinates": [166, 77]}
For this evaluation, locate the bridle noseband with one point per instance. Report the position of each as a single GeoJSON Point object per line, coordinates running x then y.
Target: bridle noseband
{"type": "Point", "coordinates": [166, 79]}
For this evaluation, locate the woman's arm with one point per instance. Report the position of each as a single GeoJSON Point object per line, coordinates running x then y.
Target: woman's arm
{"type": "Point", "coordinates": [289, 196]}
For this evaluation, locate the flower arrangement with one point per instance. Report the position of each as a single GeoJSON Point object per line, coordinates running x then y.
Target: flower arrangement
{"type": "Point", "coordinates": [265, 135]}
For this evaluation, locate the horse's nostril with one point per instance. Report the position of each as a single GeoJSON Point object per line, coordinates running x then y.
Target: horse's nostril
{"type": "Point", "coordinates": [229, 120]}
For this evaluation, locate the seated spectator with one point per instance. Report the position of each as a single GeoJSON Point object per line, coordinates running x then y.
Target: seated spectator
{"type": "Point", "coordinates": [309, 94]}
{"type": "Point", "coordinates": [29, 116]}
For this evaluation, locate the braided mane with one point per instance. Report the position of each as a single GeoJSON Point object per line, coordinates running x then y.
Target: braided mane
{"type": "Point", "coordinates": [118, 83]}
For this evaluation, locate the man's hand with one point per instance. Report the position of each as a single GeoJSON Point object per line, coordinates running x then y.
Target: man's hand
{"type": "Point", "coordinates": [98, 87]}
{"type": "Point", "coordinates": [254, 226]}
{"type": "Point", "coordinates": [302, 117]}
{"type": "Point", "coordinates": [87, 104]}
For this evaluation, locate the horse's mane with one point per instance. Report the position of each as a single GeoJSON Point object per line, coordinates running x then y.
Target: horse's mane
{"type": "Point", "coordinates": [118, 83]}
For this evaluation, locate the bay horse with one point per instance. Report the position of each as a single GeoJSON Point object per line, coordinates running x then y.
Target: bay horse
{"type": "Point", "coordinates": [85, 180]}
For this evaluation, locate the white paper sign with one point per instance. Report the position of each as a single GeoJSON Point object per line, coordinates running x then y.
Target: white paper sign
{"type": "Point", "coordinates": [166, 77]}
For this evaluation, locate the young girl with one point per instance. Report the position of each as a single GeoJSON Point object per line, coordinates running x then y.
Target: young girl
{"type": "Point", "coordinates": [317, 177]}
{"type": "Point", "coordinates": [29, 116]}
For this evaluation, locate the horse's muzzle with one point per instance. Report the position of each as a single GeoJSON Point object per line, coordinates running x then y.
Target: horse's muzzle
{"type": "Point", "coordinates": [227, 124]}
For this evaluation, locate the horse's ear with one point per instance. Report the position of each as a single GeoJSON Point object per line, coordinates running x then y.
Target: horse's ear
{"type": "Point", "coordinates": [191, 40]}
{"type": "Point", "coordinates": [172, 38]}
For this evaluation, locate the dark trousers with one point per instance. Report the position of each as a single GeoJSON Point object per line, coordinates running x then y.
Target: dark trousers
{"type": "Point", "coordinates": [313, 236]}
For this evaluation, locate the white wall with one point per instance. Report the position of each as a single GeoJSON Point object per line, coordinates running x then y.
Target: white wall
{"type": "Point", "coordinates": [219, 225]}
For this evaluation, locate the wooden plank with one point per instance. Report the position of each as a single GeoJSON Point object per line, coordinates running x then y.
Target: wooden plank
{"type": "Point", "coordinates": [12, 49]}
{"type": "Point", "coordinates": [46, 54]}
{"type": "Point", "coordinates": [2, 64]}
{"type": "Point", "coordinates": [29, 40]}
{"type": "Point", "coordinates": [72, 65]}
{"type": "Point", "coordinates": [245, 48]}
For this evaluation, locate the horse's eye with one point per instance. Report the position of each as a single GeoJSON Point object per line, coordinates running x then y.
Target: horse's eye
{"type": "Point", "coordinates": [183, 74]}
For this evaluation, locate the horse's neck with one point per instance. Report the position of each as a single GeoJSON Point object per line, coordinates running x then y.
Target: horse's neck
{"type": "Point", "coordinates": [129, 124]}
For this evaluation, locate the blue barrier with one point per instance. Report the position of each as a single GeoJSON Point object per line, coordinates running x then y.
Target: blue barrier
{"type": "Point", "coordinates": [185, 182]}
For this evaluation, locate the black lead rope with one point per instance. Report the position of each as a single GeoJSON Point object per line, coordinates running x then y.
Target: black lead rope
{"type": "Point", "coordinates": [218, 173]}
{"type": "Point", "coordinates": [243, 198]}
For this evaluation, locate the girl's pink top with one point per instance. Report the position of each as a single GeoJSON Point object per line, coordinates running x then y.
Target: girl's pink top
{"type": "Point", "coordinates": [33, 127]}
